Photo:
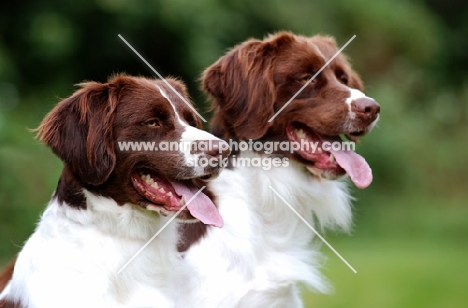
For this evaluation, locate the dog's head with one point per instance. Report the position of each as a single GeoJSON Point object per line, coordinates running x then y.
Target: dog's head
{"type": "Point", "coordinates": [252, 87]}
{"type": "Point", "coordinates": [134, 140]}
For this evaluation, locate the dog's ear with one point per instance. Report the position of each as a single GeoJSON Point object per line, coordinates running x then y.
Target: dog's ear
{"type": "Point", "coordinates": [242, 87]}
{"type": "Point", "coordinates": [79, 132]}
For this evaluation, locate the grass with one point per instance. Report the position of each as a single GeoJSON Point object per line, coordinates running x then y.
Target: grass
{"type": "Point", "coordinates": [410, 251]}
{"type": "Point", "coordinates": [406, 272]}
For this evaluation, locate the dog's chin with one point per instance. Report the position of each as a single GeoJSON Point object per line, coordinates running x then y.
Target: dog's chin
{"type": "Point", "coordinates": [329, 174]}
{"type": "Point", "coordinates": [183, 216]}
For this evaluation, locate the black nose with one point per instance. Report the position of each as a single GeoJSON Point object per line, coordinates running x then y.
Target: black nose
{"type": "Point", "coordinates": [213, 148]}
{"type": "Point", "coordinates": [365, 108]}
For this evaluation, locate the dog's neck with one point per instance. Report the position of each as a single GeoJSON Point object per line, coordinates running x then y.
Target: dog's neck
{"type": "Point", "coordinates": [269, 224]}
{"type": "Point", "coordinates": [86, 206]}
{"type": "Point", "coordinates": [327, 201]}
{"type": "Point", "coordinates": [70, 190]}
{"type": "Point", "coordinates": [125, 221]}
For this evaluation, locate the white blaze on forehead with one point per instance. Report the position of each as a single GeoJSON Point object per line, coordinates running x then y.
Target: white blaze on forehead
{"type": "Point", "coordinates": [189, 135]}
{"type": "Point", "coordinates": [320, 52]}
{"type": "Point", "coordinates": [164, 94]}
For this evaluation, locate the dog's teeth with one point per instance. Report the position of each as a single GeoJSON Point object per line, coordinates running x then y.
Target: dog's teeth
{"type": "Point", "coordinates": [162, 190]}
{"type": "Point", "coordinates": [169, 194]}
{"type": "Point", "coordinates": [148, 179]}
{"type": "Point", "coordinates": [331, 158]}
{"type": "Point", "coordinates": [320, 150]}
{"type": "Point", "coordinates": [155, 185]}
{"type": "Point", "coordinates": [300, 133]}
{"type": "Point", "coordinates": [182, 201]}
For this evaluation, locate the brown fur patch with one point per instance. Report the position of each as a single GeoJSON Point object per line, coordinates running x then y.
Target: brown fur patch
{"type": "Point", "coordinates": [6, 275]}
{"type": "Point", "coordinates": [257, 78]}
{"type": "Point", "coordinates": [6, 303]}
{"type": "Point", "coordinates": [190, 234]}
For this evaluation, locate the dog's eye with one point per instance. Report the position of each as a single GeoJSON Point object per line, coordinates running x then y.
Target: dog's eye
{"type": "Point", "coordinates": [306, 79]}
{"type": "Point", "coordinates": [344, 79]}
{"type": "Point", "coordinates": [193, 123]}
{"type": "Point", "coordinates": [153, 123]}
{"type": "Point", "coordinates": [190, 119]}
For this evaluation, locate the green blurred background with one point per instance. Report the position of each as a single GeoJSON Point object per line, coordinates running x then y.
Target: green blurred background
{"type": "Point", "coordinates": [409, 243]}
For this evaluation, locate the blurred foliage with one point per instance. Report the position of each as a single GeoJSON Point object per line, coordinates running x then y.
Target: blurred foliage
{"type": "Point", "coordinates": [411, 224]}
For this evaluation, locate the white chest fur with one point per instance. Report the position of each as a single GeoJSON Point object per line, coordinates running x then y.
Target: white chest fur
{"type": "Point", "coordinates": [73, 258]}
{"type": "Point", "coordinates": [264, 249]}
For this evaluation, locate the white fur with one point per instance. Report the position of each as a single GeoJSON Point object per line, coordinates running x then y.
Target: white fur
{"type": "Point", "coordinates": [5, 291]}
{"type": "Point", "coordinates": [264, 249]}
{"type": "Point", "coordinates": [73, 257]}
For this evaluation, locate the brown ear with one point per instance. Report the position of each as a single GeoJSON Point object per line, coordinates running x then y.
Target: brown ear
{"type": "Point", "coordinates": [242, 87]}
{"type": "Point", "coordinates": [79, 132]}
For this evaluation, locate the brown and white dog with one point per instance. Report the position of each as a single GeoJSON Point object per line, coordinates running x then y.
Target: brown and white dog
{"type": "Point", "coordinates": [110, 200]}
{"type": "Point", "coordinates": [263, 250]}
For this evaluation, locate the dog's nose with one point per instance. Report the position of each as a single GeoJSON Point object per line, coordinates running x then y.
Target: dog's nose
{"type": "Point", "coordinates": [213, 148]}
{"type": "Point", "coordinates": [365, 108]}
{"type": "Point", "coordinates": [218, 148]}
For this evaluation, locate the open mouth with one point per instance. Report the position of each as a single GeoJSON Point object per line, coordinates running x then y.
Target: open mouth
{"type": "Point", "coordinates": [328, 156]}
{"type": "Point", "coordinates": [168, 197]}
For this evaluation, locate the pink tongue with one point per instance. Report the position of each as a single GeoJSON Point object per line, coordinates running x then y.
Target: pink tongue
{"type": "Point", "coordinates": [355, 166]}
{"type": "Point", "coordinates": [201, 207]}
